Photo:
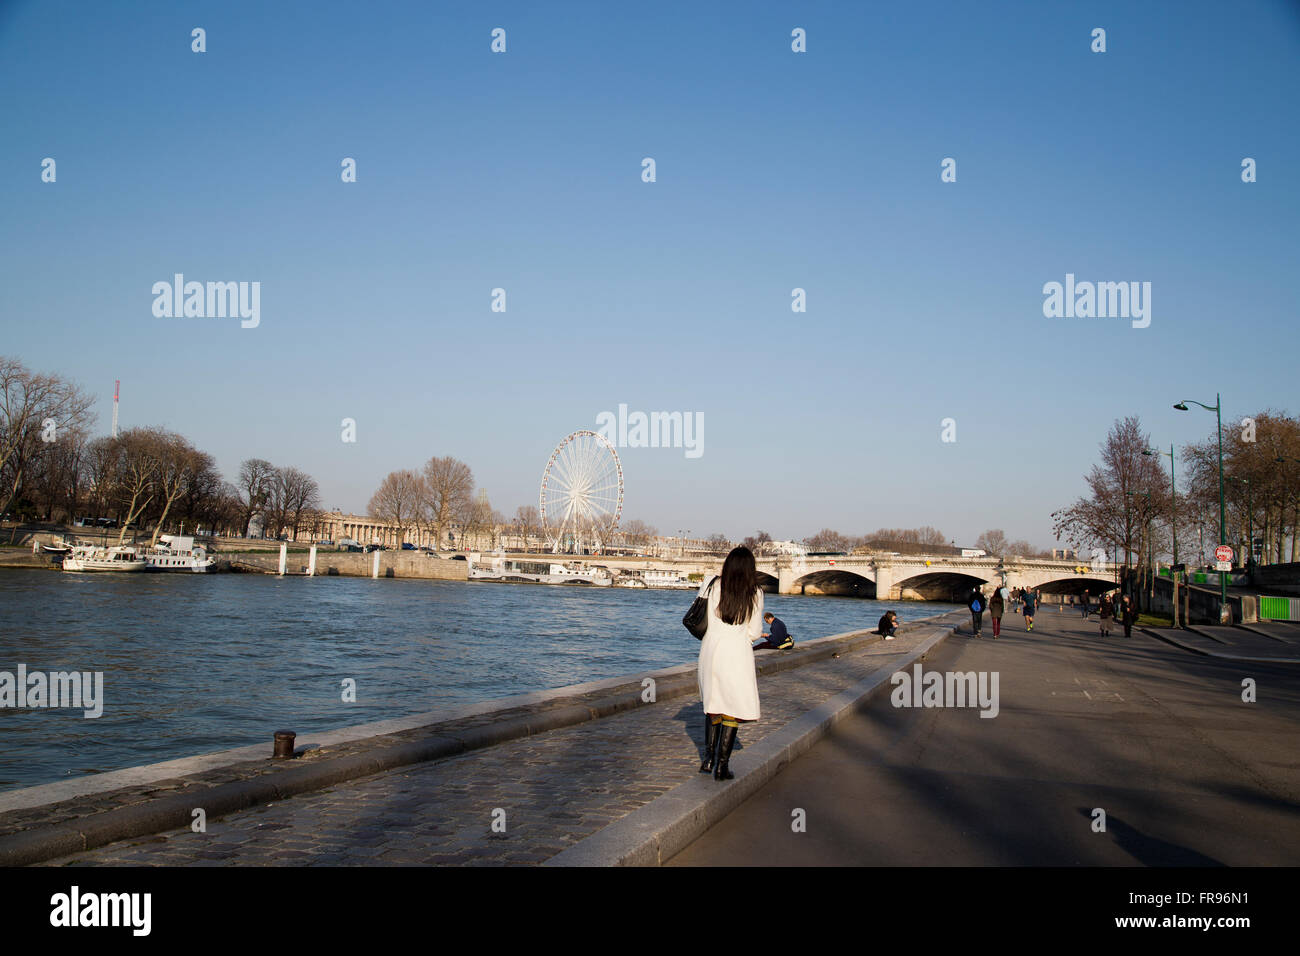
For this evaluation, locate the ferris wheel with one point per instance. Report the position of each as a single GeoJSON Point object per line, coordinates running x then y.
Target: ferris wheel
{"type": "Point", "coordinates": [581, 498]}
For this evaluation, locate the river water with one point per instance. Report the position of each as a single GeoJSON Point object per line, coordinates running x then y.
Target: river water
{"type": "Point", "coordinates": [197, 663]}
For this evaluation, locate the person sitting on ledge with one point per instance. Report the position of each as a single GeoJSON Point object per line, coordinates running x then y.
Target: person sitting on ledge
{"type": "Point", "coordinates": [779, 638]}
{"type": "Point", "coordinates": [888, 625]}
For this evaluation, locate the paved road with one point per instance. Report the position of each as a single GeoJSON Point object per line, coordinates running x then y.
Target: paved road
{"type": "Point", "coordinates": [1159, 738]}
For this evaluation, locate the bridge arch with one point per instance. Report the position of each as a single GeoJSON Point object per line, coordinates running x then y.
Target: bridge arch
{"type": "Point", "coordinates": [837, 582]}
{"type": "Point", "coordinates": [941, 585]}
{"type": "Point", "coordinates": [1076, 584]}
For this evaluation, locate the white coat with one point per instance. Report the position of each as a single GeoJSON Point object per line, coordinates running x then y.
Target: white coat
{"type": "Point", "coordinates": [728, 683]}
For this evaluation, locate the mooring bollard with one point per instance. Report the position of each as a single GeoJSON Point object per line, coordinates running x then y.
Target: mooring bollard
{"type": "Point", "coordinates": [284, 743]}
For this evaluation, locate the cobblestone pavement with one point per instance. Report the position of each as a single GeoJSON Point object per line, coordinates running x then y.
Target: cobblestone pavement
{"type": "Point", "coordinates": [543, 793]}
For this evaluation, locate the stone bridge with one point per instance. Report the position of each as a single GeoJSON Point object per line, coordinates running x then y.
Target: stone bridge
{"type": "Point", "coordinates": [894, 577]}
{"type": "Point", "coordinates": [908, 577]}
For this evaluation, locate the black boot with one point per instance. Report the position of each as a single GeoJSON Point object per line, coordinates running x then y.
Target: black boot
{"type": "Point", "coordinates": [710, 744]}
{"type": "Point", "coordinates": [726, 740]}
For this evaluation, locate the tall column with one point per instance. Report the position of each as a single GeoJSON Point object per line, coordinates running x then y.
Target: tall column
{"type": "Point", "coordinates": [884, 579]}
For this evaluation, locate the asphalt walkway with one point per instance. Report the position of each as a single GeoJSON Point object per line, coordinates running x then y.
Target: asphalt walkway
{"type": "Point", "coordinates": [1158, 738]}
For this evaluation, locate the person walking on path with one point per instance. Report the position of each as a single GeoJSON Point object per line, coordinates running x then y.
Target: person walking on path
{"type": "Point", "coordinates": [977, 606]}
{"type": "Point", "coordinates": [1106, 614]}
{"type": "Point", "coordinates": [1128, 615]}
{"type": "Point", "coordinates": [727, 680]}
{"type": "Point", "coordinates": [996, 606]}
{"type": "Point", "coordinates": [1087, 606]}
{"type": "Point", "coordinates": [1031, 602]}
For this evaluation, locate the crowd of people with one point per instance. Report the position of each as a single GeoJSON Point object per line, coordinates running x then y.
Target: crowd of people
{"type": "Point", "coordinates": [1110, 607]}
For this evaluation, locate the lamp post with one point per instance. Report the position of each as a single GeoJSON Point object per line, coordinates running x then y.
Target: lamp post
{"type": "Point", "coordinates": [1225, 615]}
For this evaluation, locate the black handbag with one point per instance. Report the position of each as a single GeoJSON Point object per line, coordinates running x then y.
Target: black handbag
{"type": "Point", "coordinates": [696, 618]}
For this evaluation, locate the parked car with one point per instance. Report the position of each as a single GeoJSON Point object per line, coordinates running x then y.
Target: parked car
{"type": "Point", "coordinates": [375, 547]}
{"type": "Point", "coordinates": [354, 547]}
{"type": "Point", "coordinates": [407, 546]}
{"type": "Point", "coordinates": [327, 541]}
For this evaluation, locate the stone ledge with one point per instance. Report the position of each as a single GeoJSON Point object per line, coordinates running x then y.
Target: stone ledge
{"type": "Point", "coordinates": [34, 833]}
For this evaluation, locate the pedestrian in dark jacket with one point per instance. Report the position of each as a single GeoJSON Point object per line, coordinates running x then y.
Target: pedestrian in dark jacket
{"type": "Point", "coordinates": [996, 607]}
{"type": "Point", "coordinates": [1106, 613]}
{"type": "Point", "coordinates": [1129, 615]}
{"type": "Point", "coordinates": [977, 605]}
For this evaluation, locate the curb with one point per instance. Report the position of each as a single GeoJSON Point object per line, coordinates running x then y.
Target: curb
{"type": "Point", "coordinates": [668, 824]}
{"type": "Point", "coordinates": [45, 842]}
{"type": "Point", "coordinates": [1219, 654]}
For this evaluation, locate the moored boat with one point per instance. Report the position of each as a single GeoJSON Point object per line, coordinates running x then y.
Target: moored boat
{"type": "Point", "coordinates": [178, 553]}
{"type": "Point", "coordinates": [92, 558]}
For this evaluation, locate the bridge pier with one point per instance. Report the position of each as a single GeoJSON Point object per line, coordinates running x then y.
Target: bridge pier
{"type": "Point", "coordinates": [786, 578]}
{"type": "Point", "coordinates": [885, 589]}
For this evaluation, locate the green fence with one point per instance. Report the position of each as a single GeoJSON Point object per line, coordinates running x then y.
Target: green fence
{"type": "Point", "coordinates": [1279, 609]}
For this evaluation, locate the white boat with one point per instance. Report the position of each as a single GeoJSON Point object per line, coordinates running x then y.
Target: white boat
{"type": "Point", "coordinates": [657, 578]}
{"type": "Point", "coordinates": [92, 558]}
{"type": "Point", "coordinates": [178, 553]}
{"type": "Point", "coordinates": [538, 572]}
{"type": "Point", "coordinates": [56, 546]}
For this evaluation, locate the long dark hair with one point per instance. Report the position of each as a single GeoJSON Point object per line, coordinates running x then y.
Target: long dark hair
{"type": "Point", "coordinates": [739, 586]}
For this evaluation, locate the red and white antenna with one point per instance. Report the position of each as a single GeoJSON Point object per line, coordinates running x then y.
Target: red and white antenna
{"type": "Point", "coordinates": [117, 385]}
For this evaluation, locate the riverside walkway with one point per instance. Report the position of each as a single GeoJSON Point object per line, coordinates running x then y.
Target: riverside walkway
{"type": "Point", "coordinates": [545, 793]}
{"type": "Point", "coordinates": [1155, 735]}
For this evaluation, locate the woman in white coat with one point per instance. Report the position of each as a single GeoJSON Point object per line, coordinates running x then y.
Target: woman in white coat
{"type": "Point", "coordinates": [728, 683]}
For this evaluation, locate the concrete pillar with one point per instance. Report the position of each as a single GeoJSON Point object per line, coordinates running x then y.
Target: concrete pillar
{"type": "Point", "coordinates": [311, 562]}
{"type": "Point", "coordinates": [374, 568]}
{"type": "Point", "coordinates": [284, 550]}
{"type": "Point", "coordinates": [884, 580]}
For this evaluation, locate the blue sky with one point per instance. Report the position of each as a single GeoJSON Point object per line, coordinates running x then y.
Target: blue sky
{"type": "Point", "coordinates": [775, 170]}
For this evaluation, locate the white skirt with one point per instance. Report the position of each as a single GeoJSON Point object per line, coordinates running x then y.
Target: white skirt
{"type": "Point", "coordinates": [728, 682]}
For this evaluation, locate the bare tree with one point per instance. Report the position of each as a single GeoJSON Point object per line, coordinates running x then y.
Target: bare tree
{"type": "Point", "coordinates": [177, 460]}
{"type": "Point", "coordinates": [400, 501]}
{"type": "Point", "coordinates": [136, 473]}
{"type": "Point", "coordinates": [994, 541]}
{"type": "Point", "coordinates": [527, 521]}
{"type": "Point", "coordinates": [34, 408]}
{"type": "Point", "coordinates": [827, 539]}
{"type": "Point", "coordinates": [637, 534]}
{"type": "Point", "coordinates": [255, 478]}
{"type": "Point", "coordinates": [300, 496]}
{"type": "Point", "coordinates": [1127, 491]}
{"type": "Point", "coordinates": [448, 487]}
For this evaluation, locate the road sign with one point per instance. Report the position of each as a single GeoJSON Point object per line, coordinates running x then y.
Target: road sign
{"type": "Point", "coordinates": [1223, 565]}
{"type": "Point", "coordinates": [1223, 553]}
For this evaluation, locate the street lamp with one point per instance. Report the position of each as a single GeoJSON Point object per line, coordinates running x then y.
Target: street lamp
{"type": "Point", "coordinates": [1225, 616]}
